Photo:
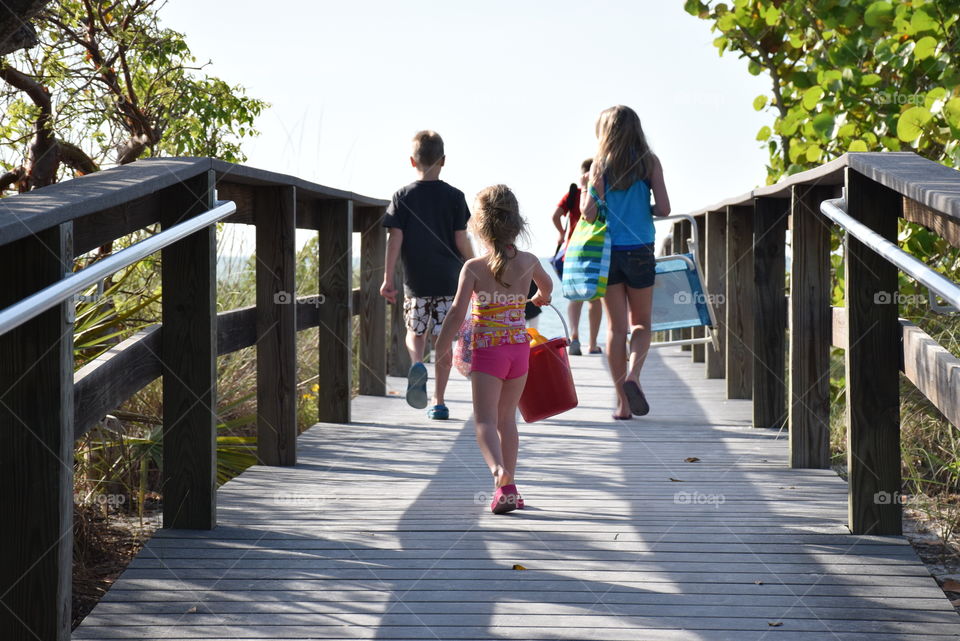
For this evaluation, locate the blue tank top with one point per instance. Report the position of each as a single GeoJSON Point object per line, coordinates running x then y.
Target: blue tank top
{"type": "Point", "coordinates": [630, 220]}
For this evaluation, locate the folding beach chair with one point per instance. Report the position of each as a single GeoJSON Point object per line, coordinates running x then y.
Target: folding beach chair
{"type": "Point", "coordinates": [680, 299]}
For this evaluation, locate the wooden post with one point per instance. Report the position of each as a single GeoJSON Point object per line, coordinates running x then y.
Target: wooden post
{"type": "Point", "coordinates": [697, 353]}
{"type": "Point", "coordinates": [810, 329]}
{"type": "Point", "coordinates": [188, 354]}
{"type": "Point", "coordinates": [716, 268]}
{"type": "Point", "coordinates": [872, 365]}
{"type": "Point", "coordinates": [275, 214]}
{"type": "Point", "coordinates": [399, 357]}
{"type": "Point", "coordinates": [373, 308]}
{"type": "Point", "coordinates": [36, 444]}
{"type": "Point", "coordinates": [335, 259]}
{"type": "Point", "coordinates": [739, 303]}
{"type": "Point", "coordinates": [769, 312]}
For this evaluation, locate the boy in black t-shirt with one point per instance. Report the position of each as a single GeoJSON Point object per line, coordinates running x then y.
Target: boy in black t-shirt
{"type": "Point", "coordinates": [428, 222]}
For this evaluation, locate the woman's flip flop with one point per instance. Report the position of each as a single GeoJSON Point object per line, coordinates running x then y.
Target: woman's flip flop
{"type": "Point", "coordinates": [638, 402]}
{"type": "Point", "coordinates": [506, 499]}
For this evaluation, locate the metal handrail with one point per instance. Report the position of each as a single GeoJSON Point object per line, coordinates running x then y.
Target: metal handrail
{"type": "Point", "coordinates": [836, 210]}
{"type": "Point", "coordinates": [74, 283]}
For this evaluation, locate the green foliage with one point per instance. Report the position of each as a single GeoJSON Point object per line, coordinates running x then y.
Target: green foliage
{"type": "Point", "coordinates": [122, 87]}
{"type": "Point", "coordinates": [848, 75]}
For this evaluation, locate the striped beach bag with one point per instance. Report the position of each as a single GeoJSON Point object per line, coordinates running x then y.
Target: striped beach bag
{"type": "Point", "coordinates": [586, 264]}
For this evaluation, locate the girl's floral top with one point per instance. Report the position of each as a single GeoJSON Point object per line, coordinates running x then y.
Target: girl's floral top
{"type": "Point", "coordinates": [498, 324]}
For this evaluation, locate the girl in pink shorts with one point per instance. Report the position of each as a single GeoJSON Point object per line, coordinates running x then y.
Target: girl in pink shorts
{"type": "Point", "coordinates": [494, 287]}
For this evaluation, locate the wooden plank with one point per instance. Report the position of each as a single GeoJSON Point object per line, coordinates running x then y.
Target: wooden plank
{"type": "Point", "coordinates": [810, 329]}
{"type": "Point", "coordinates": [394, 504]}
{"type": "Point", "coordinates": [398, 358]}
{"type": "Point", "coordinates": [934, 370]}
{"type": "Point", "coordinates": [769, 313]}
{"type": "Point", "coordinates": [335, 222]}
{"type": "Point", "coordinates": [839, 327]}
{"type": "Point", "coordinates": [715, 265]}
{"type": "Point", "coordinates": [944, 226]}
{"type": "Point", "coordinates": [188, 358]}
{"type": "Point", "coordinates": [36, 444]}
{"type": "Point", "coordinates": [372, 307]}
{"type": "Point", "coordinates": [739, 302]}
{"type": "Point", "coordinates": [873, 377]}
{"type": "Point", "coordinates": [102, 227]}
{"type": "Point", "coordinates": [274, 215]}
{"type": "Point", "coordinates": [107, 381]}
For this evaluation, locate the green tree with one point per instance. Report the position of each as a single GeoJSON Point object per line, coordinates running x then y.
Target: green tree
{"type": "Point", "coordinates": [105, 85]}
{"type": "Point", "coordinates": [847, 75]}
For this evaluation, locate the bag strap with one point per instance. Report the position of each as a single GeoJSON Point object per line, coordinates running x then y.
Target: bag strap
{"type": "Point", "coordinates": [601, 204]}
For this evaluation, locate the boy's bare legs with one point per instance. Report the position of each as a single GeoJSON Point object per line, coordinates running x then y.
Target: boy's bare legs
{"type": "Point", "coordinates": [415, 346]}
{"type": "Point", "coordinates": [486, 403]}
{"type": "Point", "coordinates": [594, 313]}
{"type": "Point", "coordinates": [441, 373]}
{"type": "Point", "coordinates": [615, 303]}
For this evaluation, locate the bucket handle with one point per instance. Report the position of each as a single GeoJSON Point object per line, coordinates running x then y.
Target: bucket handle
{"type": "Point", "coordinates": [563, 321]}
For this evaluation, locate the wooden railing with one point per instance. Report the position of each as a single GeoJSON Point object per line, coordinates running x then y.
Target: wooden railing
{"type": "Point", "coordinates": [775, 341]}
{"type": "Point", "coordinates": [45, 406]}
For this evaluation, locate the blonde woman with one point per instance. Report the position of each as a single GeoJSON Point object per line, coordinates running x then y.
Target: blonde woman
{"type": "Point", "coordinates": [624, 174]}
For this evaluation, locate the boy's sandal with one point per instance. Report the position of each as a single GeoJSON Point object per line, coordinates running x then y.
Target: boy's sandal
{"type": "Point", "coordinates": [417, 386]}
{"type": "Point", "coordinates": [506, 499]}
{"type": "Point", "coordinates": [438, 413]}
{"type": "Point", "coordinates": [638, 402]}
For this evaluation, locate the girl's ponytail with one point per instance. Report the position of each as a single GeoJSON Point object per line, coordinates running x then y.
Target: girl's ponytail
{"type": "Point", "coordinates": [497, 221]}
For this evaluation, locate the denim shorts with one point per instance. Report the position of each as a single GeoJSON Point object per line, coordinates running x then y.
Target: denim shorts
{"type": "Point", "coordinates": [635, 267]}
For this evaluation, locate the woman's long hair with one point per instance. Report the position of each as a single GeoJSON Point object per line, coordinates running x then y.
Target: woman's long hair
{"type": "Point", "coordinates": [623, 155]}
{"type": "Point", "coordinates": [498, 223]}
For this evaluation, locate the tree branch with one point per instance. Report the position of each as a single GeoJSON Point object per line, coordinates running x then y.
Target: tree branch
{"type": "Point", "coordinates": [76, 158]}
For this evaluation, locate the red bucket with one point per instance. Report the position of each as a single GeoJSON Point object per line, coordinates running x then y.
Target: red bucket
{"type": "Point", "coordinates": [549, 390]}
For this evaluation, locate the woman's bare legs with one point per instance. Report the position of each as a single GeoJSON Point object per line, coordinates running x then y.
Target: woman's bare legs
{"type": "Point", "coordinates": [640, 302]}
{"type": "Point", "coordinates": [574, 308]}
{"type": "Point", "coordinates": [615, 303]}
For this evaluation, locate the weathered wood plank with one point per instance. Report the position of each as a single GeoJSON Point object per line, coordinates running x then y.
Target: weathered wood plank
{"type": "Point", "coordinates": [697, 353]}
{"type": "Point", "coordinates": [36, 444]}
{"type": "Point", "coordinates": [372, 306]}
{"type": "Point", "coordinates": [934, 370]}
{"type": "Point", "coordinates": [872, 369]}
{"type": "Point", "coordinates": [715, 265]}
{"type": "Point", "coordinates": [739, 302]}
{"type": "Point", "coordinates": [810, 329]}
{"type": "Point", "coordinates": [944, 226]}
{"type": "Point", "coordinates": [769, 313]}
{"type": "Point", "coordinates": [188, 356]}
{"type": "Point", "coordinates": [398, 358]}
{"type": "Point", "coordinates": [335, 225]}
{"type": "Point", "coordinates": [274, 215]}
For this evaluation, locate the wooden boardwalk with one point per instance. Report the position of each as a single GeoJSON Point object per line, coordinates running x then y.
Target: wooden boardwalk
{"type": "Point", "coordinates": [381, 532]}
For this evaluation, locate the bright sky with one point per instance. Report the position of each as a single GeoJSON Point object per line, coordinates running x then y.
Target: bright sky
{"type": "Point", "coordinates": [514, 88]}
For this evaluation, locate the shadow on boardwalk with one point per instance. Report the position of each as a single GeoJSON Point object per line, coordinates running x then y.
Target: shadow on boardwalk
{"type": "Point", "coordinates": [383, 531]}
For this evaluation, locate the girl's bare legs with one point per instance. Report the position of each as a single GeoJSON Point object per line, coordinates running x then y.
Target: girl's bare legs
{"type": "Point", "coordinates": [486, 404]}
{"type": "Point", "coordinates": [573, 313]}
{"type": "Point", "coordinates": [615, 303]}
{"type": "Point", "coordinates": [507, 427]}
{"type": "Point", "coordinates": [641, 308]}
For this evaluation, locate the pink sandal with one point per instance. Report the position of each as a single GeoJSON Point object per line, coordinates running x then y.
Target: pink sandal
{"type": "Point", "coordinates": [506, 499]}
